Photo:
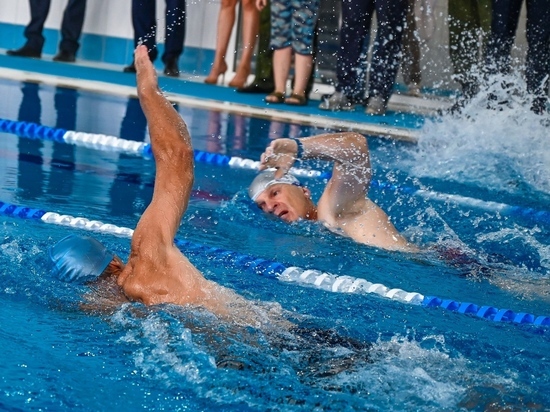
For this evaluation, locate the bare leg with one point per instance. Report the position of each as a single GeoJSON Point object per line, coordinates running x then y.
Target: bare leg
{"type": "Point", "coordinates": [226, 20]}
{"type": "Point", "coordinates": [302, 66]}
{"type": "Point", "coordinates": [251, 26]}
{"type": "Point", "coordinates": [281, 67]}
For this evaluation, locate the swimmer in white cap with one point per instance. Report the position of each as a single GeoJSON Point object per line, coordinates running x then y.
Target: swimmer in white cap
{"type": "Point", "coordinates": [344, 206]}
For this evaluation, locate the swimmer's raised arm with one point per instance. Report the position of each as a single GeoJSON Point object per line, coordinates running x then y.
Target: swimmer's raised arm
{"type": "Point", "coordinates": [351, 173]}
{"type": "Point", "coordinates": [173, 153]}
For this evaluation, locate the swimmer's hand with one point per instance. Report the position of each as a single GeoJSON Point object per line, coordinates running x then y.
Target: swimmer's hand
{"type": "Point", "coordinates": [281, 155]}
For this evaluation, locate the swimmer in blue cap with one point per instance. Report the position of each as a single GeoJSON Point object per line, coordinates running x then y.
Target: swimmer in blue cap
{"type": "Point", "coordinates": [344, 206]}
{"type": "Point", "coordinates": [156, 272]}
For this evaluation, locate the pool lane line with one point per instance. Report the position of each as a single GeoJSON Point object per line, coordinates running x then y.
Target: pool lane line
{"type": "Point", "coordinates": [112, 143]}
{"type": "Point", "coordinates": [275, 270]}
{"type": "Point", "coordinates": [372, 129]}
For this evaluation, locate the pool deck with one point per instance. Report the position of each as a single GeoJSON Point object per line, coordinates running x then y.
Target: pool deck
{"type": "Point", "coordinates": [405, 116]}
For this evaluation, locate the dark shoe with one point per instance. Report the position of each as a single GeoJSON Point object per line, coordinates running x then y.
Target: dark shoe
{"type": "Point", "coordinates": [25, 51]}
{"type": "Point", "coordinates": [257, 88]}
{"type": "Point", "coordinates": [171, 68]}
{"type": "Point", "coordinates": [64, 56]}
{"type": "Point", "coordinates": [130, 68]}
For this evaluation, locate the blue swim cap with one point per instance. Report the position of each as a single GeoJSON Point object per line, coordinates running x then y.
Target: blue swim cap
{"type": "Point", "coordinates": [79, 259]}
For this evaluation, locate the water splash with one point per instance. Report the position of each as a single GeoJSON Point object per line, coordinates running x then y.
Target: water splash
{"type": "Point", "coordinates": [496, 141]}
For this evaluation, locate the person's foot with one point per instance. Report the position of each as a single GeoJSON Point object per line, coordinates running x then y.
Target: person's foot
{"type": "Point", "coordinates": [171, 68]}
{"type": "Point", "coordinates": [240, 78]}
{"type": "Point", "coordinates": [376, 106]}
{"type": "Point", "coordinates": [260, 87]}
{"type": "Point", "coordinates": [131, 68]}
{"type": "Point", "coordinates": [296, 99]}
{"type": "Point", "coordinates": [64, 56]}
{"type": "Point", "coordinates": [338, 101]}
{"type": "Point", "coordinates": [275, 97]}
{"type": "Point", "coordinates": [25, 51]}
{"type": "Point", "coordinates": [215, 72]}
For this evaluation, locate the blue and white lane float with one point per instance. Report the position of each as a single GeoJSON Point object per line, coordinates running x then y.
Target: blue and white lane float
{"type": "Point", "coordinates": [293, 274]}
{"type": "Point", "coordinates": [111, 143]}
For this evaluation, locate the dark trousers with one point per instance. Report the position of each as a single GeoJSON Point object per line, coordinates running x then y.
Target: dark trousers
{"type": "Point", "coordinates": [503, 30]}
{"type": "Point", "coordinates": [71, 25]}
{"type": "Point", "coordinates": [145, 27]}
{"type": "Point", "coordinates": [354, 39]}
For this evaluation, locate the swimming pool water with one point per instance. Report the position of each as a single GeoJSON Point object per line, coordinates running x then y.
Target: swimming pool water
{"type": "Point", "coordinates": [56, 356]}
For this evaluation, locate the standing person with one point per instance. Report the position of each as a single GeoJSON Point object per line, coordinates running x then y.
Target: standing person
{"type": "Point", "coordinates": [226, 20]}
{"type": "Point", "coordinates": [145, 32]}
{"type": "Point", "coordinates": [292, 30]}
{"type": "Point", "coordinates": [71, 29]}
{"type": "Point", "coordinates": [505, 17]}
{"type": "Point", "coordinates": [356, 21]}
{"type": "Point", "coordinates": [469, 20]}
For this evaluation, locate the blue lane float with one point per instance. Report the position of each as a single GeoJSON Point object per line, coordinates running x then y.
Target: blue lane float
{"type": "Point", "coordinates": [275, 270]}
{"type": "Point", "coordinates": [111, 143]}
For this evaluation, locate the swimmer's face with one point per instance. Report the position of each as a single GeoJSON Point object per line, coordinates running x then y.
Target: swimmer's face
{"type": "Point", "coordinates": [287, 202]}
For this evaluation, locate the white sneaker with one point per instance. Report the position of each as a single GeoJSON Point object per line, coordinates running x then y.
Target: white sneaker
{"type": "Point", "coordinates": [338, 101]}
{"type": "Point", "coordinates": [376, 106]}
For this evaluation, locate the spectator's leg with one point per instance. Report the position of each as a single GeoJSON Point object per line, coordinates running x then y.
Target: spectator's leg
{"type": "Point", "coordinates": [465, 28]}
{"type": "Point", "coordinates": [387, 48]}
{"type": "Point", "coordinates": [537, 68]}
{"type": "Point", "coordinates": [175, 30]}
{"type": "Point", "coordinates": [504, 23]}
{"type": "Point", "coordinates": [250, 26]}
{"type": "Point", "coordinates": [351, 71]}
{"type": "Point", "coordinates": [263, 72]}
{"type": "Point", "coordinates": [33, 31]}
{"type": "Point", "coordinates": [280, 42]}
{"type": "Point", "coordinates": [304, 21]}
{"type": "Point", "coordinates": [71, 26]}
{"type": "Point", "coordinates": [410, 64]}
{"type": "Point", "coordinates": [145, 25]}
{"type": "Point", "coordinates": [226, 20]}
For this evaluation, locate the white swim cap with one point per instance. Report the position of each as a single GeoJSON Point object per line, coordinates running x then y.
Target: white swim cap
{"type": "Point", "coordinates": [266, 179]}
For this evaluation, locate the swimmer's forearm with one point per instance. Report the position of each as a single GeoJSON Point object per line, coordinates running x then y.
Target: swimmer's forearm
{"type": "Point", "coordinates": [346, 147]}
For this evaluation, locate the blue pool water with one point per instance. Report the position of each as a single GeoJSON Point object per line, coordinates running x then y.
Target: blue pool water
{"type": "Point", "coordinates": [57, 357]}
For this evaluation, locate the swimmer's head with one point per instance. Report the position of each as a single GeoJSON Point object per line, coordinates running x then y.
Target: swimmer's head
{"type": "Point", "coordinates": [284, 198]}
{"type": "Point", "coordinates": [266, 179]}
{"type": "Point", "coordinates": [79, 259]}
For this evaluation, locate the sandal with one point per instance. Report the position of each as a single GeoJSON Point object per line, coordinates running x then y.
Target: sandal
{"type": "Point", "coordinates": [275, 98]}
{"type": "Point", "coordinates": [296, 100]}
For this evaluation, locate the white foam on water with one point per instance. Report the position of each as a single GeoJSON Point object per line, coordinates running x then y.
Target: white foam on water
{"type": "Point", "coordinates": [497, 147]}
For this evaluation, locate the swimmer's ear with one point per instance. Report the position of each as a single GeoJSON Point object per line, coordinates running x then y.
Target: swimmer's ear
{"type": "Point", "coordinates": [307, 192]}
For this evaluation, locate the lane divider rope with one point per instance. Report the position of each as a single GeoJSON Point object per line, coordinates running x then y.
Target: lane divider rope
{"type": "Point", "coordinates": [111, 143]}
{"type": "Point", "coordinates": [275, 270]}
